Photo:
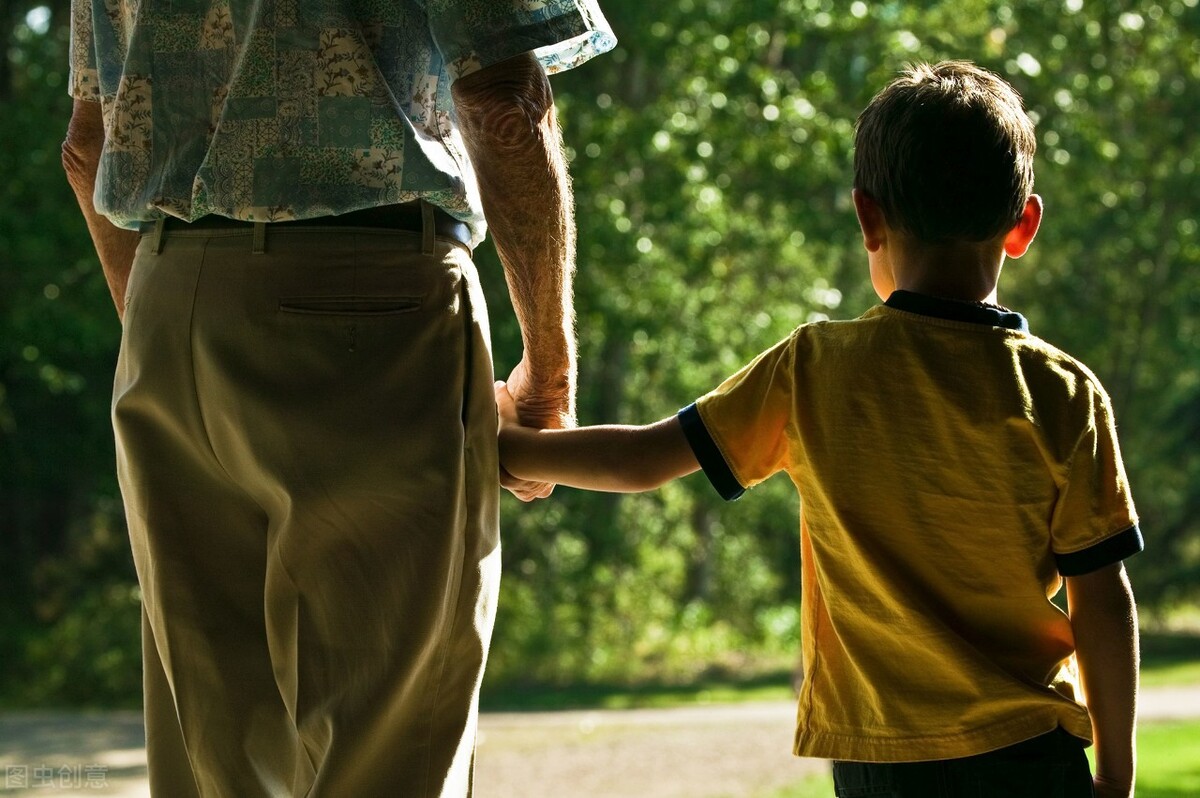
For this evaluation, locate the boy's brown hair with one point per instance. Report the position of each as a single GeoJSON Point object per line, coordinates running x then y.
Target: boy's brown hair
{"type": "Point", "coordinates": [946, 151]}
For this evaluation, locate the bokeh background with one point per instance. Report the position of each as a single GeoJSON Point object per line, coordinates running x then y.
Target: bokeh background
{"type": "Point", "coordinates": [711, 158]}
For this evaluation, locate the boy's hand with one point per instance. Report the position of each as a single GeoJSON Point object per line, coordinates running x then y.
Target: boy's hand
{"type": "Point", "coordinates": [509, 417]}
{"type": "Point", "coordinates": [506, 405]}
{"type": "Point", "coordinates": [1103, 788]}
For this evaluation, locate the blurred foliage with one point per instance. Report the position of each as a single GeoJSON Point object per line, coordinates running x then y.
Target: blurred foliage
{"type": "Point", "coordinates": [711, 157]}
{"type": "Point", "coordinates": [68, 630]}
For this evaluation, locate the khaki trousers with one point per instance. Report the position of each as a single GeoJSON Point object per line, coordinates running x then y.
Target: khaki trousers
{"type": "Point", "coordinates": [306, 447]}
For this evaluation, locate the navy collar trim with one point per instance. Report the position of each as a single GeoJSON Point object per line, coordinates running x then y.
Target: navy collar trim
{"type": "Point", "coordinates": [957, 310]}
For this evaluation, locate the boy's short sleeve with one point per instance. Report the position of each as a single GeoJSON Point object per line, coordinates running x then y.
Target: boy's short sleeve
{"type": "Point", "coordinates": [1094, 523]}
{"type": "Point", "coordinates": [739, 432]}
{"type": "Point", "coordinates": [562, 34]}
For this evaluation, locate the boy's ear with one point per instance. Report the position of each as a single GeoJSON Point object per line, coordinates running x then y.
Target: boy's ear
{"type": "Point", "coordinates": [870, 219]}
{"type": "Point", "coordinates": [1018, 239]}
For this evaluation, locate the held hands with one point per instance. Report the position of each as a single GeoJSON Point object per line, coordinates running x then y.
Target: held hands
{"type": "Point", "coordinates": [520, 405]}
{"type": "Point", "coordinates": [506, 406]}
{"type": "Point", "coordinates": [524, 490]}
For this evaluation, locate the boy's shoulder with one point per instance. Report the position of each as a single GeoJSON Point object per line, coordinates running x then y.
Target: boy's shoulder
{"type": "Point", "coordinates": [1039, 357]}
{"type": "Point", "coordinates": [1046, 366]}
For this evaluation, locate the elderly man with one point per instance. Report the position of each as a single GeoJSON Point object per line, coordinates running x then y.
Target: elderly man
{"type": "Point", "coordinates": [284, 196]}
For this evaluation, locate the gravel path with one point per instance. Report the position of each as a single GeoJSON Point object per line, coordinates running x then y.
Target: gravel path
{"type": "Point", "coordinates": [690, 752]}
{"type": "Point", "coordinates": [720, 751]}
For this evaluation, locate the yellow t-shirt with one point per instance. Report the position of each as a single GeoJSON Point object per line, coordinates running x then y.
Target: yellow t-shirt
{"type": "Point", "coordinates": [951, 468]}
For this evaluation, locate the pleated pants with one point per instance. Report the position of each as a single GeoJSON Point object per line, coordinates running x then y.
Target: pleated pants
{"type": "Point", "coordinates": [306, 438]}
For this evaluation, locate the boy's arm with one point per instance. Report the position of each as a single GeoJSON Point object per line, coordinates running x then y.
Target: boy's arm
{"type": "Point", "coordinates": [616, 459]}
{"type": "Point", "coordinates": [1104, 619]}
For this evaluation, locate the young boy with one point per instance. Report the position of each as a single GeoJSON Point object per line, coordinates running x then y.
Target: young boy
{"type": "Point", "coordinates": [952, 469]}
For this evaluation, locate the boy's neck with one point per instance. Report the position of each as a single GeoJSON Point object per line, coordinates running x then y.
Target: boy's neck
{"type": "Point", "coordinates": [967, 272]}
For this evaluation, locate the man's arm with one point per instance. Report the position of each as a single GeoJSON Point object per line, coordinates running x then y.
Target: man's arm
{"type": "Point", "coordinates": [1104, 619]}
{"type": "Point", "coordinates": [506, 114]}
{"type": "Point", "coordinates": [615, 459]}
{"type": "Point", "coordinates": [80, 159]}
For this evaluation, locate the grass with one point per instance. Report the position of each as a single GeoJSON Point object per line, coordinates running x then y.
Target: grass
{"type": "Point", "coordinates": [1168, 659]}
{"type": "Point", "coordinates": [773, 686]}
{"type": "Point", "coordinates": [1168, 753]}
{"type": "Point", "coordinates": [1168, 765]}
{"type": "Point", "coordinates": [1169, 760]}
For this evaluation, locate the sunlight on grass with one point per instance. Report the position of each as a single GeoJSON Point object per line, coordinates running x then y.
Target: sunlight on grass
{"type": "Point", "coordinates": [710, 694]}
{"type": "Point", "coordinates": [1168, 762]}
{"type": "Point", "coordinates": [1170, 658]}
{"type": "Point", "coordinates": [1168, 766]}
{"type": "Point", "coordinates": [770, 686]}
{"type": "Point", "coordinates": [1174, 675]}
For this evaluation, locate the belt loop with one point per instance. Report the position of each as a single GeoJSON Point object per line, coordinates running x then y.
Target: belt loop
{"type": "Point", "coordinates": [259, 238]}
{"type": "Point", "coordinates": [156, 237]}
{"type": "Point", "coordinates": [427, 228]}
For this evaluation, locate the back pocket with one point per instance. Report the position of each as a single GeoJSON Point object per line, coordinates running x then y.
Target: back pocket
{"type": "Point", "coordinates": [350, 305]}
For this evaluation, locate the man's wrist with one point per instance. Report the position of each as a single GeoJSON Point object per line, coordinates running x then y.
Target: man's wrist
{"type": "Point", "coordinates": [547, 409]}
{"type": "Point", "coordinates": [550, 369]}
{"type": "Point", "coordinates": [551, 382]}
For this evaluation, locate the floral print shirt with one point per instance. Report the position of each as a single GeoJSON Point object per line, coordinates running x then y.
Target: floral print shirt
{"type": "Point", "coordinates": [268, 110]}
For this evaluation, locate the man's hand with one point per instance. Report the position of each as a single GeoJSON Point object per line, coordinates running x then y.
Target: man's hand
{"type": "Point", "coordinates": [545, 404]}
{"type": "Point", "coordinates": [520, 401]}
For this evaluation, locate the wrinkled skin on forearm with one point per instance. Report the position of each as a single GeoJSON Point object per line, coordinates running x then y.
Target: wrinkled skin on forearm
{"type": "Point", "coordinates": [507, 118]}
{"type": "Point", "coordinates": [81, 158]}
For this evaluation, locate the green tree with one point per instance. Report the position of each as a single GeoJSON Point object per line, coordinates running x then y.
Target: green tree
{"type": "Point", "coordinates": [61, 542]}
{"type": "Point", "coordinates": [1113, 278]}
{"type": "Point", "coordinates": [711, 156]}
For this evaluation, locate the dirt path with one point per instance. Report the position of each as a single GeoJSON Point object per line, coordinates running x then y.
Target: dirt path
{"type": "Point", "coordinates": [689, 752]}
{"type": "Point", "coordinates": [723, 751]}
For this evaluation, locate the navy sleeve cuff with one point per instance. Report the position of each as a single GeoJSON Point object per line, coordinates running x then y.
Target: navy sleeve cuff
{"type": "Point", "coordinates": [708, 455]}
{"type": "Point", "coordinates": [1106, 552]}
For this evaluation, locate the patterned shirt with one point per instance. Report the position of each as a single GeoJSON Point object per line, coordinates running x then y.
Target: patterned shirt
{"type": "Point", "coordinates": [269, 110]}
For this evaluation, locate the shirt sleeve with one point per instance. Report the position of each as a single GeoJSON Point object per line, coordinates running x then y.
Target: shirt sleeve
{"type": "Point", "coordinates": [83, 79]}
{"type": "Point", "coordinates": [739, 432]}
{"type": "Point", "coordinates": [562, 34]}
{"type": "Point", "coordinates": [1094, 523]}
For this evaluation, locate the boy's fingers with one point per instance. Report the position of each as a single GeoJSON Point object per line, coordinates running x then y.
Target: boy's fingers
{"type": "Point", "coordinates": [504, 402]}
{"type": "Point", "coordinates": [523, 489]}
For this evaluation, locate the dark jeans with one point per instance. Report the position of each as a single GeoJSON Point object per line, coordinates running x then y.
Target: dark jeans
{"type": "Point", "coordinates": [1050, 766]}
